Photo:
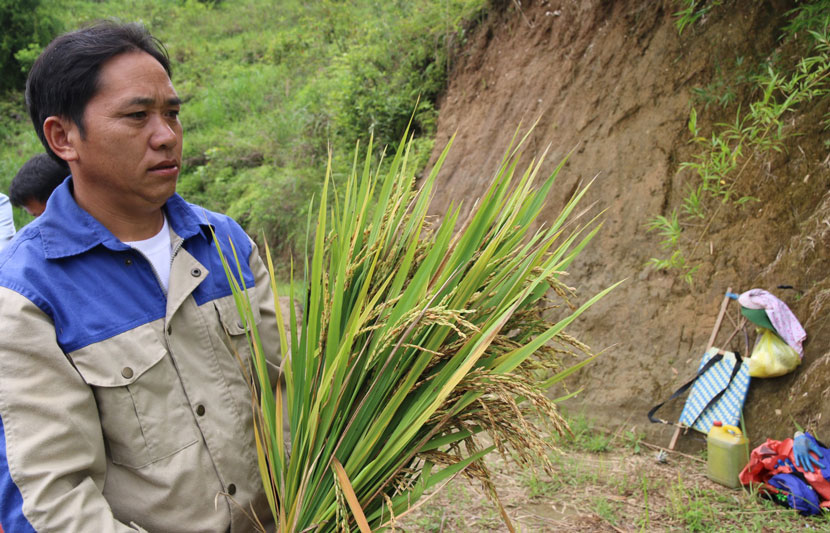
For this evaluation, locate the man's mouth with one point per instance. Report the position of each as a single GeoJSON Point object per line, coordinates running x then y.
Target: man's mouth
{"type": "Point", "coordinates": [165, 167]}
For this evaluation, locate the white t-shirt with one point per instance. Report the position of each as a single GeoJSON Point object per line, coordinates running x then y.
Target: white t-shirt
{"type": "Point", "coordinates": [158, 251]}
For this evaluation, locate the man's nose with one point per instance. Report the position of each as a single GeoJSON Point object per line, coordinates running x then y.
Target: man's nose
{"type": "Point", "coordinates": [164, 135]}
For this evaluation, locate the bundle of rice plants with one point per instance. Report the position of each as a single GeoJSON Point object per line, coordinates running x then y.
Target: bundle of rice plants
{"type": "Point", "coordinates": [416, 336]}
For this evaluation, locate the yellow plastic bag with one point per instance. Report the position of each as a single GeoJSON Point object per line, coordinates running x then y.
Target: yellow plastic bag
{"type": "Point", "coordinates": [772, 357]}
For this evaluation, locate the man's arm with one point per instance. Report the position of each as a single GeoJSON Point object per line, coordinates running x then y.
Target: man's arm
{"type": "Point", "coordinates": [52, 455]}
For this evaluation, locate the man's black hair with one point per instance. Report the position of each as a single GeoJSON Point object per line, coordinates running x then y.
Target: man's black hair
{"type": "Point", "coordinates": [65, 76]}
{"type": "Point", "coordinates": [36, 179]}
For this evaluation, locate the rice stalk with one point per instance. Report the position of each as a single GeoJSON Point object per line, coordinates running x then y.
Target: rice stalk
{"type": "Point", "coordinates": [416, 338]}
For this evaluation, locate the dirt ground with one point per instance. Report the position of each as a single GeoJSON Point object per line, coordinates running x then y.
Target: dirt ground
{"type": "Point", "coordinates": [604, 481]}
{"type": "Point", "coordinates": [611, 81]}
{"type": "Point", "coordinates": [564, 508]}
{"type": "Point", "coordinates": [619, 490]}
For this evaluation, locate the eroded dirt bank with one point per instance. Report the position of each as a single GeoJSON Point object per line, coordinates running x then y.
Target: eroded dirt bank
{"type": "Point", "coordinates": [612, 80]}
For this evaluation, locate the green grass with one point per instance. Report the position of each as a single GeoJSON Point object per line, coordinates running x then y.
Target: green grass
{"type": "Point", "coordinates": [585, 437]}
{"type": "Point", "coordinates": [692, 11]}
{"type": "Point", "coordinates": [632, 440]}
{"type": "Point", "coordinates": [626, 489]}
{"type": "Point", "coordinates": [606, 509]}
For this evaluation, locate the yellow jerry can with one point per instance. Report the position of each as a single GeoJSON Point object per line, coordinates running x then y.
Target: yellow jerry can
{"type": "Point", "coordinates": [728, 453]}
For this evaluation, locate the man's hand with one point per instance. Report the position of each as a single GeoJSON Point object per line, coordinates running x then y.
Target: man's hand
{"type": "Point", "coordinates": [802, 446]}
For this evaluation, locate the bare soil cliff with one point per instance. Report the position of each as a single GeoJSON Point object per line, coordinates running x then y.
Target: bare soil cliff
{"type": "Point", "coordinates": [612, 80]}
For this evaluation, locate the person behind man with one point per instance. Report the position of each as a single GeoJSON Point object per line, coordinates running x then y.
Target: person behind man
{"type": "Point", "coordinates": [35, 181]}
{"type": "Point", "coordinates": [123, 406]}
{"type": "Point", "coordinates": [6, 221]}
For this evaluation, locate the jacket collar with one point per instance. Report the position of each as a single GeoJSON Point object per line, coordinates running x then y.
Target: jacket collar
{"type": "Point", "coordinates": [67, 230]}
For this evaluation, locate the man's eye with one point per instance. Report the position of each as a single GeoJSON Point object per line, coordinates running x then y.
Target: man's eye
{"type": "Point", "coordinates": [137, 115]}
{"type": "Point", "coordinates": [173, 113]}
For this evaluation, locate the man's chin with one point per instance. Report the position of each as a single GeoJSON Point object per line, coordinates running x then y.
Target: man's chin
{"type": "Point", "coordinates": [162, 195]}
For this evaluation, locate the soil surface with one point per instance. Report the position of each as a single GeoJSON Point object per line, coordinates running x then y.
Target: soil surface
{"type": "Point", "coordinates": [624, 488]}
{"type": "Point", "coordinates": [612, 82]}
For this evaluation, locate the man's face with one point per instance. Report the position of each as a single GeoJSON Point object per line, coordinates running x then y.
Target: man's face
{"type": "Point", "coordinates": [132, 151]}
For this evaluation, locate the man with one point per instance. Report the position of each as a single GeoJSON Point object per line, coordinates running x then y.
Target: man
{"type": "Point", "coordinates": [34, 183]}
{"type": "Point", "coordinates": [6, 221]}
{"type": "Point", "coordinates": [122, 402]}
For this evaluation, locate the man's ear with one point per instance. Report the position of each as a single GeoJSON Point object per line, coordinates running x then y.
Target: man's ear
{"type": "Point", "coordinates": [61, 134]}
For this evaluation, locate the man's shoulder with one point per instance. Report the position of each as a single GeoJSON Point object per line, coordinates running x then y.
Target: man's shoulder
{"type": "Point", "coordinates": [23, 263]}
{"type": "Point", "coordinates": [25, 249]}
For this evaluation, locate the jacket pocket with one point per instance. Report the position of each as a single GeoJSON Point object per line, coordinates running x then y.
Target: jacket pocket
{"type": "Point", "coordinates": [236, 334]}
{"type": "Point", "coordinates": [237, 366]}
{"type": "Point", "coordinates": [144, 412]}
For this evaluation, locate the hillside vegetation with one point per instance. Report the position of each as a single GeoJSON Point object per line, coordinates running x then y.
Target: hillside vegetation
{"type": "Point", "coordinates": [268, 89]}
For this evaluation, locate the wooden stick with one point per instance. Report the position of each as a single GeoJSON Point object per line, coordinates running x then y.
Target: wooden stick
{"type": "Point", "coordinates": [737, 329]}
{"type": "Point", "coordinates": [732, 320]}
{"type": "Point", "coordinates": [718, 321]}
{"type": "Point", "coordinates": [656, 447]}
{"type": "Point", "coordinates": [711, 343]}
{"type": "Point", "coordinates": [673, 441]}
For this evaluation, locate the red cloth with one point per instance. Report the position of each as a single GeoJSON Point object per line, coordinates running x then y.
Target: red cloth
{"type": "Point", "coordinates": [763, 464]}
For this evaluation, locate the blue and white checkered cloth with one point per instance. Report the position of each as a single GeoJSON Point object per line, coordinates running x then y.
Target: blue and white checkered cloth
{"type": "Point", "coordinates": [728, 408]}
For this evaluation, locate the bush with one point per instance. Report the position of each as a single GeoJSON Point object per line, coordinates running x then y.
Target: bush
{"type": "Point", "coordinates": [28, 26]}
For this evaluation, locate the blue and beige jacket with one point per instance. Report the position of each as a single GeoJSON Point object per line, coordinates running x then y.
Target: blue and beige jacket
{"type": "Point", "coordinates": [123, 408]}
